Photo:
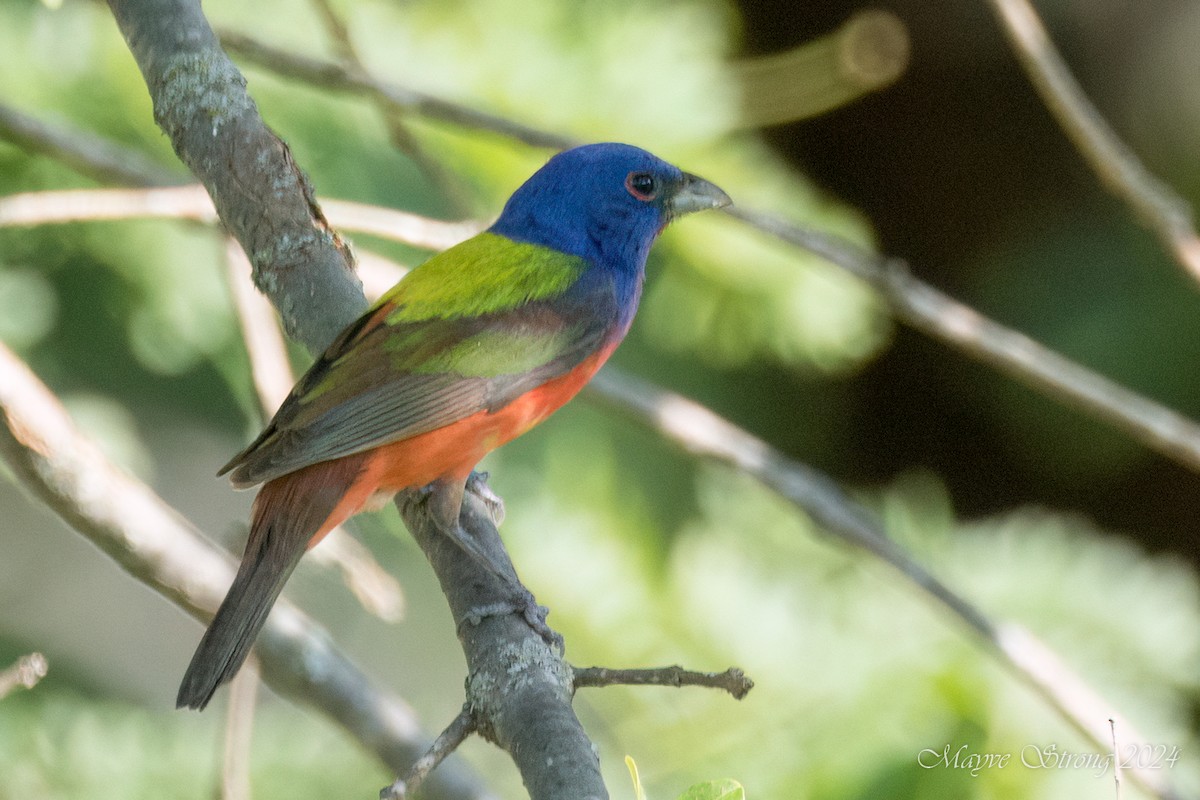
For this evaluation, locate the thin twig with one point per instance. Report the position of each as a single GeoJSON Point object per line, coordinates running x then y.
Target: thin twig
{"type": "Point", "coordinates": [703, 433]}
{"type": "Point", "coordinates": [57, 206]}
{"type": "Point", "coordinates": [24, 674]}
{"type": "Point", "coordinates": [376, 589]}
{"type": "Point", "coordinates": [191, 202]}
{"type": "Point", "coordinates": [1152, 201]}
{"type": "Point", "coordinates": [339, 34]}
{"type": "Point", "coordinates": [1116, 751]}
{"type": "Point", "coordinates": [91, 155]}
{"type": "Point", "coordinates": [930, 310]}
{"type": "Point", "coordinates": [269, 366]}
{"type": "Point", "coordinates": [156, 545]}
{"type": "Point", "coordinates": [455, 734]}
{"type": "Point", "coordinates": [335, 76]}
{"type": "Point", "coordinates": [732, 680]}
{"type": "Point", "coordinates": [239, 727]}
{"type": "Point", "coordinates": [400, 226]}
{"type": "Point", "coordinates": [402, 138]}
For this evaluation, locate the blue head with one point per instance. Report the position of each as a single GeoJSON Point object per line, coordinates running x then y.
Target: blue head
{"type": "Point", "coordinates": [605, 203]}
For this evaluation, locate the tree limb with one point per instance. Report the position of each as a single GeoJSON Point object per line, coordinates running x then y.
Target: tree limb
{"type": "Point", "coordinates": [200, 102]}
{"type": "Point", "coordinates": [732, 680]}
{"type": "Point", "coordinates": [404, 140]}
{"type": "Point", "coordinates": [24, 674]}
{"type": "Point", "coordinates": [519, 690]}
{"type": "Point", "coordinates": [191, 202]}
{"type": "Point", "coordinates": [107, 162]}
{"type": "Point", "coordinates": [935, 313]}
{"type": "Point", "coordinates": [446, 743]}
{"type": "Point", "coordinates": [336, 76]}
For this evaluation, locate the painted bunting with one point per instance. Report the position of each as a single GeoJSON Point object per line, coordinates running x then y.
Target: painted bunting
{"type": "Point", "coordinates": [470, 350]}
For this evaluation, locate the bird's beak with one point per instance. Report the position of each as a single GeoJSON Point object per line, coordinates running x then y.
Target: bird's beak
{"type": "Point", "coordinates": [695, 194]}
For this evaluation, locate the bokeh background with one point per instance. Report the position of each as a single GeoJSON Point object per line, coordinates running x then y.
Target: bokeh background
{"type": "Point", "coordinates": [1030, 509]}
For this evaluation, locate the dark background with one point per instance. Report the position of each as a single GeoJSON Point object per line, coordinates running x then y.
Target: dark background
{"type": "Point", "coordinates": [964, 174]}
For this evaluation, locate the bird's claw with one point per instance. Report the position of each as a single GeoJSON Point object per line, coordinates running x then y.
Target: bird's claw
{"type": "Point", "coordinates": [415, 496]}
{"type": "Point", "coordinates": [478, 486]}
{"type": "Point", "coordinates": [525, 605]}
{"type": "Point", "coordinates": [535, 617]}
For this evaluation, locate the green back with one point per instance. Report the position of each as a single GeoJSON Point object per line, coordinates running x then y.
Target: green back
{"type": "Point", "coordinates": [486, 274]}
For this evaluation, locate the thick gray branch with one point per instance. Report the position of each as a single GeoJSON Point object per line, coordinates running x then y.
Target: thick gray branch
{"type": "Point", "coordinates": [518, 688]}
{"type": "Point", "coordinates": [523, 700]}
{"type": "Point", "coordinates": [201, 103]}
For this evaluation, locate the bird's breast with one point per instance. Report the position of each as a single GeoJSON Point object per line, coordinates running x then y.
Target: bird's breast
{"type": "Point", "coordinates": [535, 405]}
{"type": "Point", "coordinates": [451, 452]}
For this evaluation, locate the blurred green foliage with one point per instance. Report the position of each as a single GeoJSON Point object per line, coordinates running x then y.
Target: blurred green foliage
{"type": "Point", "coordinates": [57, 744]}
{"type": "Point", "coordinates": [645, 557]}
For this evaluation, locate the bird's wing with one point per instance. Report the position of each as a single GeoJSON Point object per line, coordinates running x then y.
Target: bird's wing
{"type": "Point", "coordinates": [398, 373]}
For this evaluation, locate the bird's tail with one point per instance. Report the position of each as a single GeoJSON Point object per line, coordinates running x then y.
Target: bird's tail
{"type": "Point", "coordinates": [290, 513]}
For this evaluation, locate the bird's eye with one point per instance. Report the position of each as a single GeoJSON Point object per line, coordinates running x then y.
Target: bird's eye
{"type": "Point", "coordinates": [642, 185]}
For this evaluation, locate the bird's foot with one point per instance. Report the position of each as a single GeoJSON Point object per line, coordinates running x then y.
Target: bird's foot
{"type": "Point", "coordinates": [525, 605]}
{"type": "Point", "coordinates": [416, 496]}
{"type": "Point", "coordinates": [478, 486]}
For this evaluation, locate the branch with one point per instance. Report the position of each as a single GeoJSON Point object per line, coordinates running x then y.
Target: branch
{"type": "Point", "coordinates": [84, 152]}
{"type": "Point", "coordinates": [200, 102]}
{"type": "Point", "coordinates": [455, 734]}
{"type": "Point", "coordinates": [930, 310]}
{"type": "Point", "coordinates": [337, 77]}
{"type": "Point", "coordinates": [156, 545]}
{"type": "Point", "coordinates": [865, 54]}
{"type": "Point", "coordinates": [24, 674]}
{"type": "Point", "coordinates": [1166, 214]}
{"type": "Point", "coordinates": [402, 138]}
{"type": "Point", "coordinates": [239, 728]}
{"type": "Point", "coordinates": [732, 680]}
{"type": "Point", "coordinates": [192, 202]}
{"type": "Point", "coordinates": [519, 690]}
